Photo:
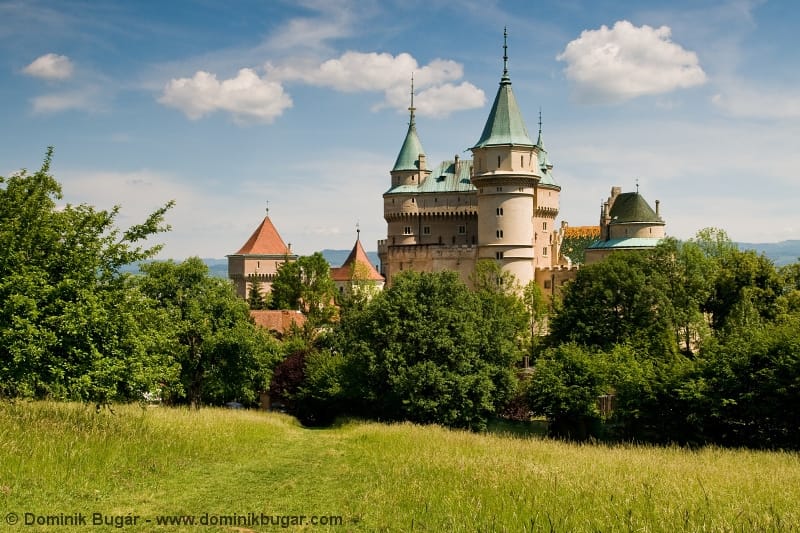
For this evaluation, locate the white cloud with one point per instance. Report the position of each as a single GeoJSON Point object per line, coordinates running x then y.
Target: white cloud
{"type": "Point", "coordinates": [84, 100]}
{"type": "Point", "coordinates": [50, 67]}
{"type": "Point", "coordinates": [624, 62]}
{"type": "Point", "coordinates": [246, 96]}
{"type": "Point", "coordinates": [366, 72]}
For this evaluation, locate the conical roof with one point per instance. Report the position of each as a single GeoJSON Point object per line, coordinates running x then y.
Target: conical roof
{"type": "Point", "coordinates": [545, 166]}
{"type": "Point", "coordinates": [505, 124]}
{"type": "Point", "coordinates": [408, 158]}
{"type": "Point", "coordinates": [265, 240]}
{"type": "Point", "coordinates": [357, 266]}
{"type": "Point", "coordinates": [632, 207]}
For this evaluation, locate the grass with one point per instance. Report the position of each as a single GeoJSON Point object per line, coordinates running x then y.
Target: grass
{"type": "Point", "coordinates": [62, 458]}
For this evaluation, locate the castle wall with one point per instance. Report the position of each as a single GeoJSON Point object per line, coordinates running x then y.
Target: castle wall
{"type": "Point", "coordinates": [636, 229]}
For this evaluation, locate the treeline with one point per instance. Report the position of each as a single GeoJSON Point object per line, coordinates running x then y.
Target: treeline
{"type": "Point", "coordinates": [73, 327]}
{"type": "Point", "coordinates": [694, 342]}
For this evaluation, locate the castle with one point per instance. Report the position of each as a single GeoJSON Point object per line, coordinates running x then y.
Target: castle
{"type": "Point", "coordinates": [501, 205]}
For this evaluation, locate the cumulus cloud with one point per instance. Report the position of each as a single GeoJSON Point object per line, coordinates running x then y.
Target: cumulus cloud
{"type": "Point", "coordinates": [247, 96]}
{"type": "Point", "coordinates": [624, 62]}
{"type": "Point", "coordinates": [50, 67]}
{"type": "Point", "coordinates": [383, 72]}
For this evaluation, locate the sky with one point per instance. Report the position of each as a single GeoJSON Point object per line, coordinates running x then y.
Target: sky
{"type": "Point", "coordinates": [300, 107]}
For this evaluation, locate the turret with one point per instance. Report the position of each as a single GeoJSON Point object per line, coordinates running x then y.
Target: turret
{"type": "Point", "coordinates": [410, 168]}
{"type": "Point", "coordinates": [506, 172]}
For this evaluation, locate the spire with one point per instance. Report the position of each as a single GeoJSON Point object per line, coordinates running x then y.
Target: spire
{"type": "Point", "coordinates": [408, 158]}
{"type": "Point", "coordinates": [505, 78]}
{"type": "Point", "coordinates": [505, 124]}
{"type": "Point", "coordinates": [540, 140]}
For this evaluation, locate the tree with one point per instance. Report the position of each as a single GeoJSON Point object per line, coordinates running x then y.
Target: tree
{"type": "Point", "coordinates": [255, 296]}
{"type": "Point", "coordinates": [423, 350]}
{"type": "Point", "coordinates": [306, 285]}
{"type": "Point", "coordinates": [616, 301]}
{"type": "Point", "coordinates": [71, 325]}
{"type": "Point", "coordinates": [223, 356]}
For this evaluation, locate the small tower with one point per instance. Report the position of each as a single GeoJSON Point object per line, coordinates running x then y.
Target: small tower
{"type": "Point", "coordinates": [506, 172]}
{"type": "Point", "coordinates": [258, 260]}
{"type": "Point", "coordinates": [545, 234]}
{"type": "Point", "coordinates": [410, 167]}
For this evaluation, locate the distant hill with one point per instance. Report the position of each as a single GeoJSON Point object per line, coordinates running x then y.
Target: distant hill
{"type": "Point", "coordinates": [781, 253]}
{"type": "Point", "coordinates": [219, 267]}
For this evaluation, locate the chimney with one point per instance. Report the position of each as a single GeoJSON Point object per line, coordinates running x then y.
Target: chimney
{"type": "Point", "coordinates": [422, 161]}
{"type": "Point", "coordinates": [658, 206]}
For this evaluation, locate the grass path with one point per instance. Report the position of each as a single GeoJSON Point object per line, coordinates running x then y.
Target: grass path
{"type": "Point", "coordinates": [67, 459]}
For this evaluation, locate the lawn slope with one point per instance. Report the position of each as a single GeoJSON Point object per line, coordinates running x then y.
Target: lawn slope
{"type": "Point", "coordinates": [58, 459]}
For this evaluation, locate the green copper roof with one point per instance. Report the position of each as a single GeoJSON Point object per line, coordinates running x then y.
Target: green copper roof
{"type": "Point", "coordinates": [445, 177]}
{"type": "Point", "coordinates": [632, 207]}
{"type": "Point", "coordinates": [625, 244]}
{"type": "Point", "coordinates": [505, 124]}
{"type": "Point", "coordinates": [544, 162]}
{"type": "Point", "coordinates": [408, 158]}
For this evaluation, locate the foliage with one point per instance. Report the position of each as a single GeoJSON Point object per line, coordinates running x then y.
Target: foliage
{"type": "Point", "coordinates": [256, 298]}
{"type": "Point", "coordinates": [618, 300]}
{"type": "Point", "coordinates": [71, 326]}
{"type": "Point", "coordinates": [427, 350]}
{"type": "Point", "coordinates": [574, 247]}
{"type": "Point", "coordinates": [223, 356]}
{"type": "Point", "coordinates": [306, 285]}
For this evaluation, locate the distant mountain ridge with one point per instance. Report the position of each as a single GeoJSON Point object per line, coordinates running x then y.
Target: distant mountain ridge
{"type": "Point", "coordinates": [781, 253]}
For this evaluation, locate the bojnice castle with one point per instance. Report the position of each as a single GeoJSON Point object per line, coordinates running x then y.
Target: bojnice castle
{"type": "Point", "coordinates": [501, 205]}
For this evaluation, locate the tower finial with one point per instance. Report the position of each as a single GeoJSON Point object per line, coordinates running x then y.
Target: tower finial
{"type": "Point", "coordinates": [637, 185]}
{"type": "Point", "coordinates": [540, 121]}
{"type": "Point", "coordinates": [505, 54]}
{"type": "Point", "coordinates": [267, 207]}
{"type": "Point", "coordinates": [412, 108]}
{"type": "Point", "coordinates": [358, 230]}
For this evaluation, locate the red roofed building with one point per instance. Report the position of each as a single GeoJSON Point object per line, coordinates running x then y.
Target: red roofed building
{"type": "Point", "coordinates": [278, 322]}
{"type": "Point", "coordinates": [258, 259]}
{"type": "Point", "coordinates": [357, 270]}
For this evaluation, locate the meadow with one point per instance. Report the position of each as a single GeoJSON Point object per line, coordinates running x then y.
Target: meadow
{"type": "Point", "coordinates": [59, 462]}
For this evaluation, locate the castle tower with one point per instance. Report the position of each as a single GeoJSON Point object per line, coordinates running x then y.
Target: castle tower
{"type": "Point", "coordinates": [258, 259]}
{"type": "Point", "coordinates": [545, 234]}
{"type": "Point", "coordinates": [410, 166]}
{"type": "Point", "coordinates": [506, 171]}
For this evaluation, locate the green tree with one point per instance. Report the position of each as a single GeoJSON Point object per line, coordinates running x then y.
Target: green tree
{"type": "Point", "coordinates": [255, 296]}
{"type": "Point", "coordinates": [306, 285]}
{"type": "Point", "coordinates": [616, 301]}
{"type": "Point", "coordinates": [423, 350]}
{"type": "Point", "coordinates": [71, 325]}
{"type": "Point", "coordinates": [223, 356]}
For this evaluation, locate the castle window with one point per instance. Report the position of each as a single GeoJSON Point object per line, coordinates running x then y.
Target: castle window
{"type": "Point", "coordinates": [499, 211]}
{"type": "Point", "coordinates": [454, 239]}
{"type": "Point", "coordinates": [547, 284]}
{"type": "Point", "coordinates": [498, 161]}
{"type": "Point", "coordinates": [522, 161]}
{"type": "Point", "coordinates": [462, 230]}
{"type": "Point", "coordinates": [499, 189]}
{"type": "Point", "coordinates": [499, 234]}
{"type": "Point", "coordinates": [413, 200]}
{"type": "Point", "coordinates": [544, 251]}
{"type": "Point", "coordinates": [426, 230]}
{"type": "Point", "coordinates": [544, 226]}
{"type": "Point", "coordinates": [498, 255]}
{"type": "Point", "coordinates": [407, 230]}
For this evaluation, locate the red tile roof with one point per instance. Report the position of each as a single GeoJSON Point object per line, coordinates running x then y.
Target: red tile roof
{"type": "Point", "coordinates": [279, 321]}
{"type": "Point", "coordinates": [582, 231]}
{"type": "Point", "coordinates": [356, 263]}
{"type": "Point", "coordinates": [264, 241]}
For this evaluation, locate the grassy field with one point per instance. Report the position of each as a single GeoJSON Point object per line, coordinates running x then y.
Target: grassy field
{"type": "Point", "coordinates": [59, 463]}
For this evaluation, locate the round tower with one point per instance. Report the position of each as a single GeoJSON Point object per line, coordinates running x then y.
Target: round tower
{"type": "Point", "coordinates": [506, 171]}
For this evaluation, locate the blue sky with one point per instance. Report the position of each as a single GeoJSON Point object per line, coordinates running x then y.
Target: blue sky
{"type": "Point", "coordinates": [225, 106]}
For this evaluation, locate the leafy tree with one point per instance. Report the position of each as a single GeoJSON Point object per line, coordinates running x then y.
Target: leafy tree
{"type": "Point", "coordinates": [616, 301]}
{"type": "Point", "coordinates": [564, 388]}
{"type": "Point", "coordinates": [424, 350]}
{"type": "Point", "coordinates": [223, 356]}
{"type": "Point", "coordinates": [538, 310]}
{"type": "Point", "coordinates": [306, 285]}
{"type": "Point", "coordinates": [71, 326]}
